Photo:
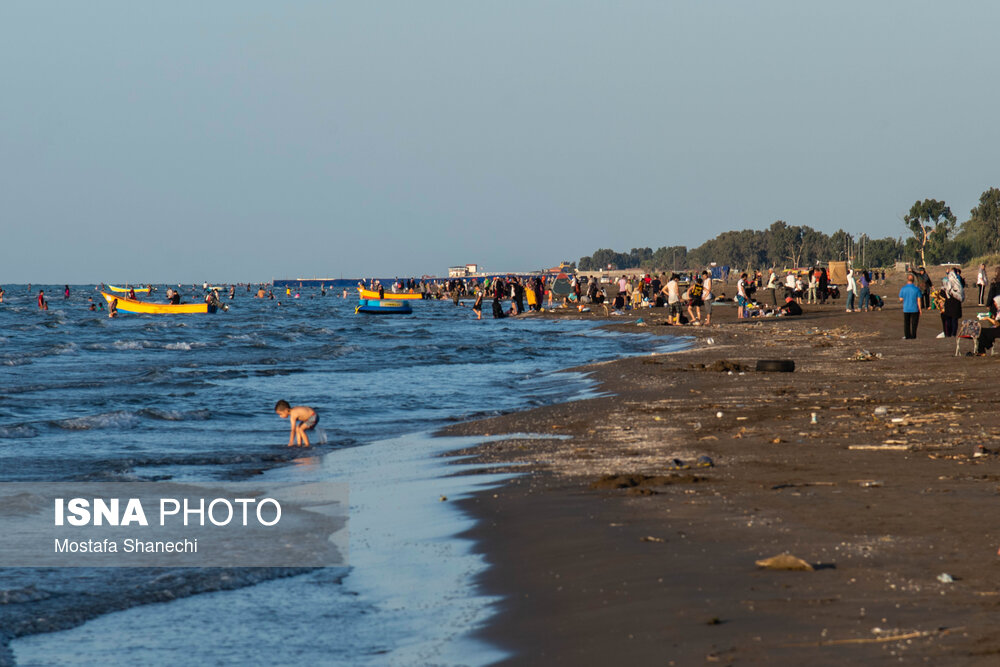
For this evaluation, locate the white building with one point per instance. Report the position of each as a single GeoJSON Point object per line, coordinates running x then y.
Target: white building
{"type": "Point", "coordinates": [463, 271]}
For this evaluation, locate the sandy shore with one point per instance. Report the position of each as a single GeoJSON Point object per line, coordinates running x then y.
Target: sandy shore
{"type": "Point", "coordinates": [606, 556]}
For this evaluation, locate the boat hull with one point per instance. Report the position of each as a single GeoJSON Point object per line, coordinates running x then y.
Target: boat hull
{"type": "Point", "coordinates": [146, 308]}
{"type": "Point", "coordinates": [383, 307]}
{"type": "Point", "coordinates": [389, 296]}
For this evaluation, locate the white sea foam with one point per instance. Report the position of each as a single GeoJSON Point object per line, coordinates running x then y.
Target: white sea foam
{"type": "Point", "coordinates": [118, 419]}
{"type": "Point", "coordinates": [19, 431]}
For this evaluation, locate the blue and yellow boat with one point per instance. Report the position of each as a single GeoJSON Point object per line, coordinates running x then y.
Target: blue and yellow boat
{"type": "Point", "coordinates": [383, 307]}
{"type": "Point", "coordinates": [394, 296]}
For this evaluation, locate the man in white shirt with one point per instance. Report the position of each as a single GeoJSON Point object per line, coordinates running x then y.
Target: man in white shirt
{"type": "Point", "coordinates": [706, 296]}
{"type": "Point", "coordinates": [789, 284]}
{"type": "Point", "coordinates": [673, 290]}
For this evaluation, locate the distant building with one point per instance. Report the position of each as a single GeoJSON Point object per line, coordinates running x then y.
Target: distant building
{"type": "Point", "coordinates": [463, 271]}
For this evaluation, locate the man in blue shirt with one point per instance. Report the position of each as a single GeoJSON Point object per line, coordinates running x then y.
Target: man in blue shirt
{"type": "Point", "coordinates": [910, 296]}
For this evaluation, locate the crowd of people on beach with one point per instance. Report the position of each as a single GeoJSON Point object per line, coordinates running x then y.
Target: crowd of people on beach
{"type": "Point", "coordinates": [688, 297]}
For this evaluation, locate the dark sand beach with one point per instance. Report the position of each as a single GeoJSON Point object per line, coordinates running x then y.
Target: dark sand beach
{"type": "Point", "coordinates": [605, 556]}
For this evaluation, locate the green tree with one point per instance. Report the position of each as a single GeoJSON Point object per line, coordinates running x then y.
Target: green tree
{"type": "Point", "coordinates": [930, 222]}
{"type": "Point", "coordinates": [780, 240]}
{"type": "Point", "coordinates": [983, 227]}
{"type": "Point", "coordinates": [669, 258]}
{"type": "Point", "coordinates": [840, 245]}
{"type": "Point", "coordinates": [814, 247]}
{"type": "Point", "coordinates": [883, 252]}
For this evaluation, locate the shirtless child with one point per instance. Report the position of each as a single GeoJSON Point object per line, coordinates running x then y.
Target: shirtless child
{"type": "Point", "coordinates": [302, 417]}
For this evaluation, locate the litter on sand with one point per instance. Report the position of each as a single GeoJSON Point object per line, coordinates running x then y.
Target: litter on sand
{"type": "Point", "coordinates": [785, 562]}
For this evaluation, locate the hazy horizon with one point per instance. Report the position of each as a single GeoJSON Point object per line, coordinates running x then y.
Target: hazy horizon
{"type": "Point", "coordinates": [249, 140]}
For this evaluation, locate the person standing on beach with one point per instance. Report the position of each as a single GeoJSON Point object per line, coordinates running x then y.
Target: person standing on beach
{"type": "Point", "coordinates": [707, 296]}
{"type": "Point", "coordinates": [673, 290]}
{"type": "Point", "coordinates": [695, 300]}
{"type": "Point", "coordinates": [852, 291]}
{"type": "Point", "coordinates": [911, 296]}
{"type": "Point", "coordinates": [811, 286]}
{"type": "Point", "coordinates": [864, 292]}
{"type": "Point", "coordinates": [742, 300]}
{"type": "Point", "coordinates": [790, 285]}
{"type": "Point", "coordinates": [981, 282]}
{"type": "Point", "coordinates": [925, 285]}
{"type": "Point", "coordinates": [772, 285]}
{"type": "Point", "coordinates": [954, 293]}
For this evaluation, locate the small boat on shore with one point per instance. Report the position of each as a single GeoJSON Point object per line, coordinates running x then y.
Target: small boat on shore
{"type": "Point", "coordinates": [145, 307]}
{"type": "Point", "coordinates": [389, 296]}
{"type": "Point", "coordinates": [383, 307]}
{"type": "Point", "coordinates": [124, 290]}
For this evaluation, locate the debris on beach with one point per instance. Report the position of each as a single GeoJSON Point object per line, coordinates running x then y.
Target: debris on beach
{"type": "Point", "coordinates": [677, 464]}
{"type": "Point", "coordinates": [785, 561]}
{"type": "Point", "coordinates": [721, 366]}
{"type": "Point", "coordinates": [865, 355]}
{"type": "Point", "coordinates": [946, 578]}
{"type": "Point", "coordinates": [650, 538]}
{"type": "Point", "coordinates": [625, 481]}
{"type": "Point", "coordinates": [890, 447]}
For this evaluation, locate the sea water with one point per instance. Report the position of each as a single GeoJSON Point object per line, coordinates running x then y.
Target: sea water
{"type": "Point", "coordinates": [87, 398]}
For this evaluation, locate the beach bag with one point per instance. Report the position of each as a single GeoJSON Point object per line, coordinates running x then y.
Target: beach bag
{"type": "Point", "coordinates": [970, 329]}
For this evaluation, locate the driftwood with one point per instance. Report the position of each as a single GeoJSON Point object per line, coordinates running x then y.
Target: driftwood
{"type": "Point", "coordinates": [877, 640]}
{"type": "Point", "coordinates": [880, 448]}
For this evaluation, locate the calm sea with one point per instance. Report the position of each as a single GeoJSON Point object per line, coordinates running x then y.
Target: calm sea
{"type": "Point", "coordinates": [85, 397]}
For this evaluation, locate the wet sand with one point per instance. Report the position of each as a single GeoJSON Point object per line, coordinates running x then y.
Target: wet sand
{"type": "Point", "coordinates": [605, 556]}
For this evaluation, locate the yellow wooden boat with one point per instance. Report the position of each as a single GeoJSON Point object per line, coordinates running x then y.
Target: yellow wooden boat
{"type": "Point", "coordinates": [389, 296]}
{"type": "Point", "coordinates": [145, 307]}
{"type": "Point", "coordinates": [124, 290]}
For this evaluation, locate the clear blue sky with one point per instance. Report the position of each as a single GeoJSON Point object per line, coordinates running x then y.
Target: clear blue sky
{"type": "Point", "coordinates": [246, 140]}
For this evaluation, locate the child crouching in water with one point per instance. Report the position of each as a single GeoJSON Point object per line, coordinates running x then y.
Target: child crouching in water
{"type": "Point", "coordinates": [302, 417]}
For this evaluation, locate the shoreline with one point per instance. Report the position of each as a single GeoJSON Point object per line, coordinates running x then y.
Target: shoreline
{"type": "Point", "coordinates": [663, 566]}
{"type": "Point", "coordinates": [439, 481]}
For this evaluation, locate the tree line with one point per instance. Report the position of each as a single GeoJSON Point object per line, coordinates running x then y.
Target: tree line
{"type": "Point", "coordinates": [934, 238]}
